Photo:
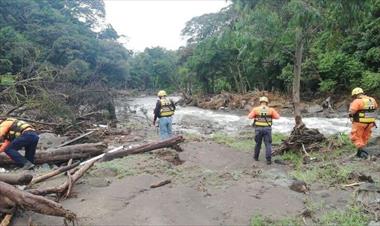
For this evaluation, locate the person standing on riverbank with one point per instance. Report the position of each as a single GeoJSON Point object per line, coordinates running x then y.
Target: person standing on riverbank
{"type": "Point", "coordinates": [263, 116]}
{"type": "Point", "coordinates": [17, 134]}
{"type": "Point", "coordinates": [363, 116]}
{"type": "Point", "coordinates": [164, 111]}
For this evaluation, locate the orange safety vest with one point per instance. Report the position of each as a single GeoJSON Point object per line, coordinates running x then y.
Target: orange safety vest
{"type": "Point", "coordinates": [368, 113]}
{"type": "Point", "coordinates": [16, 129]}
{"type": "Point", "coordinates": [263, 116]}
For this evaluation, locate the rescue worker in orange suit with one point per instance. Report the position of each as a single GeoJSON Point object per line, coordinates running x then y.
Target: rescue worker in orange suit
{"type": "Point", "coordinates": [363, 116]}
{"type": "Point", "coordinates": [17, 134]}
{"type": "Point", "coordinates": [164, 111]}
{"type": "Point", "coordinates": [263, 116]}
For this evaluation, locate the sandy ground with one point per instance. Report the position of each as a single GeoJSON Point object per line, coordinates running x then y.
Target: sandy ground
{"type": "Point", "coordinates": [215, 185]}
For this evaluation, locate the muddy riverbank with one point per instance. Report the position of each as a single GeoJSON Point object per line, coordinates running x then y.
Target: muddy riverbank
{"type": "Point", "coordinates": [216, 182]}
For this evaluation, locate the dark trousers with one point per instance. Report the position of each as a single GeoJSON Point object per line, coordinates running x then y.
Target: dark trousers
{"type": "Point", "coordinates": [263, 133]}
{"type": "Point", "coordinates": [27, 140]}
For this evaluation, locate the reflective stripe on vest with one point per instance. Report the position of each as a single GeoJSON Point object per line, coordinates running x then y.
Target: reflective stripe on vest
{"type": "Point", "coordinates": [16, 129]}
{"type": "Point", "coordinates": [263, 117]}
{"type": "Point", "coordinates": [368, 113]}
{"type": "Point", "coordinates": [166, 108]}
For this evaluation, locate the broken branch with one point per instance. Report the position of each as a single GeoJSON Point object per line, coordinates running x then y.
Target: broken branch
{"type": "Point", "coordinates": [53, 173]}
{"type": "Point", "coordinates": [143, 148]}
{"type": "Point", "coordinates": [353, 184]}
{"type": "Point", "coordinates": [62, 188]}
{"type": "Point", "coordinates": [162, 183]}
{"type": "Point", "coordinates": [75, 139]}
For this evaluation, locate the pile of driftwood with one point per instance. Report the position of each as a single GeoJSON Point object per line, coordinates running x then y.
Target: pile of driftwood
{"type": "Point", "coordinates": [227, 100]}
{"type": "Point", "coordinates": [31, 197]}
{"type": "Point", "coordinates": [302, 139]}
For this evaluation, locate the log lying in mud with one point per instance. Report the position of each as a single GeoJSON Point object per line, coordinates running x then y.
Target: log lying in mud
{"type": "Point", "coordinates": [143, 148]}
{"type": "Point", "coordinates": [27, 201]}
{"type": "Point", "coordinates": [63, 154]}
{"type": "Point", "coordinates": [16, 179]}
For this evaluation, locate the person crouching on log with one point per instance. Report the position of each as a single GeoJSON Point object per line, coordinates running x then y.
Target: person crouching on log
{"type": "Point", "coordinates": [363, 116]}
{"type": "Point", "coordinates": [164, 111]}
{"type": "Point", "coordinates": [263, 116]}
{"type": "Point", "coordinates": [17, 134]}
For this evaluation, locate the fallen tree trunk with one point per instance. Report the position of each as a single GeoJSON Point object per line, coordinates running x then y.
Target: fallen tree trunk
{"type": "Point", "coordinates": [143, 148]}
{"type": "Point", "coordinates": [16, 179]}
{"type": "Point", "coordinates": [34, 203]}
{"type": "Point", "coordinates": [63, 154]}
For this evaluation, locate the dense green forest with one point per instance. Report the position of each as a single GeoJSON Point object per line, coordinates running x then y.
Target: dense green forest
{"type": "Point", "coordinates": [54, 55]}
{"type": "Point", "coordinates": [252, 44]}
{"type": "Point", "coordinates": [47, 38]}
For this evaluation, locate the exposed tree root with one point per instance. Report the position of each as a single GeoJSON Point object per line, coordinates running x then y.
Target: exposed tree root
{"type": "Point", "coordinates": [302, 139]}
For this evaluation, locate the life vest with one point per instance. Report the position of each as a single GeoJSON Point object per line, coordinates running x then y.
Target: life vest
{"type": "Point", "coordinates": [368, 113]}
{"type": "Point", "coordinates": [263, 117]}
{"type": "Point", "coordinates": [166, 107]}
{"type": "Point", "coordinates": [16, 129]}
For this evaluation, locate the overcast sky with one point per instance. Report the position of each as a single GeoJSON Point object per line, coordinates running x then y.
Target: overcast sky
{"type": "Point", "coordinates": [150, 23]}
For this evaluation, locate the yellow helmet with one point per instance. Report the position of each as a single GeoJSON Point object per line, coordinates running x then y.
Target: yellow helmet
{"type": "Point", "coordinates": [161, 93]}
{"type": "Point", "coordinates": [357, 91]}
{"type": "Point", "coordinates": [264, 99]}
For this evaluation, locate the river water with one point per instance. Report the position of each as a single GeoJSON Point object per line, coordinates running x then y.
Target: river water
{"type": "Point", "coordinates": [201, 121]}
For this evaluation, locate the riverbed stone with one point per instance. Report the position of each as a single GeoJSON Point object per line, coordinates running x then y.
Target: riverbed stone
{"type": "Point", "coordinates": [314, 108]}
{"type": "Point", "coordinates": [50, 140]}
{"type": "Point", "coordinates": [98, 182]}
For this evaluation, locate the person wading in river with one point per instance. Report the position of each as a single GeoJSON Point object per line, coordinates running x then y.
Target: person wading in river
{"type": "Point", "coordinates": [363, 116]}
{"type": "Point", "coordinates": [164, 111]}
{"type": "Point", "coordinates": [263, 116]}
{"type": "Point", "coordinates": [17, 134]}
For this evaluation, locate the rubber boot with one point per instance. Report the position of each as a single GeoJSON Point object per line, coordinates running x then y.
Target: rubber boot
{"type": "Point", "coordinates": [362, 153]}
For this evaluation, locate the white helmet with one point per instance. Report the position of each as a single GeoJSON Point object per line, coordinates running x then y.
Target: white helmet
{"type": "Point", "coordinates": [264, 99]}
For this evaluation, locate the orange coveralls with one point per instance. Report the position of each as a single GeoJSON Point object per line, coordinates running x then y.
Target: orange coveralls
{"type": "Point", "coordinates": [360, 132]}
